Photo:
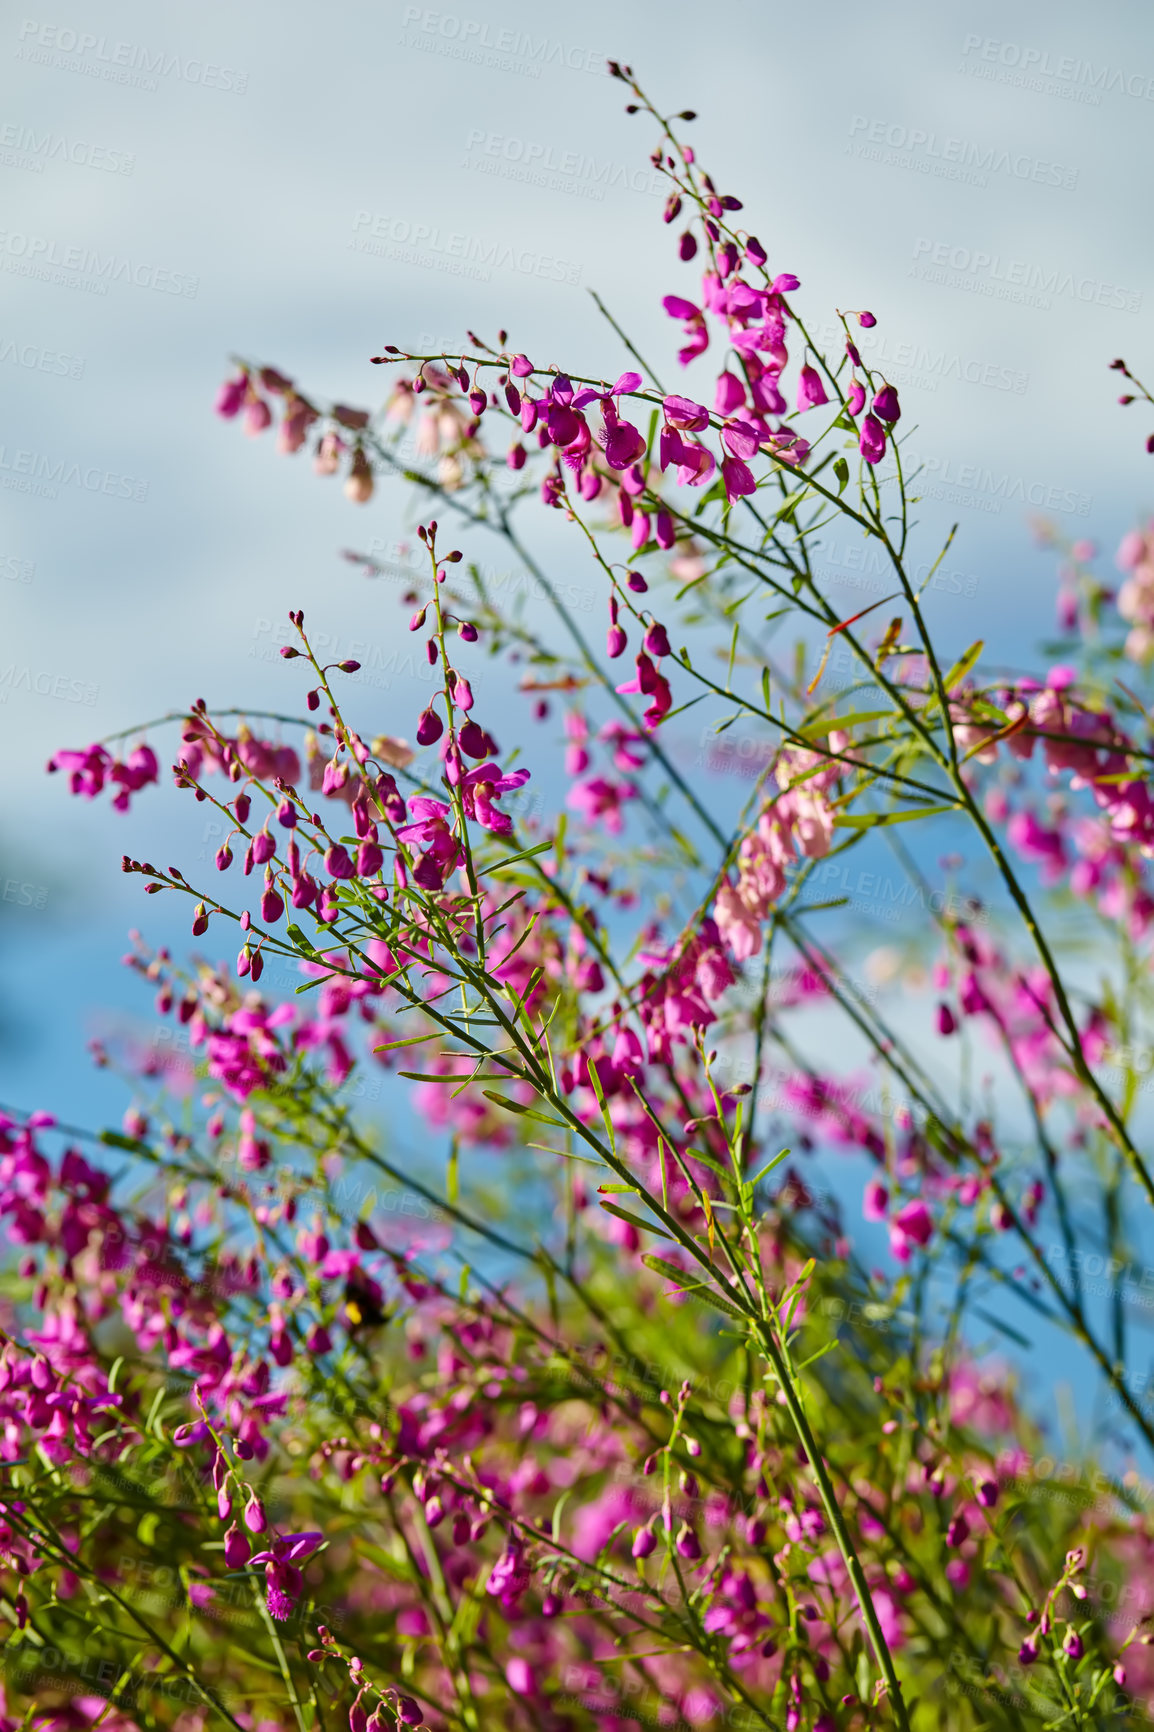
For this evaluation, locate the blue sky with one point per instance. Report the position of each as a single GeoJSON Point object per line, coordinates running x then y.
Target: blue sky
{"type": "Point", "coordinates": [302, 186]}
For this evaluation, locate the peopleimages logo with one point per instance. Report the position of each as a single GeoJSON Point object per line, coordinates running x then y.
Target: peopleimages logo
{"type": "Point", "coordinates": [40, 360]}
{"type": "Point", "coordinates": [428, 246]}
{"type": "Point", "coordinates": [534, 163]}
{"type": "Point", "coordinates": [27, 147]}
{"type": "Point", "coordinates": [933, 153]}
{"type": "Point", "coordinates": [119, 62]}
{"type": "Point", "coordinates": [988, 489]}
{"type": "Point", "coordinates": [1015, 280]}
{"type": "Point", "coordinates": [33, 472]}
{"type": "Point", "coordinates": [1035, 69]}
{"type": "Point", "coordinates": [50, 261]}
{"type": "Point", "coordinates": [475, 40]}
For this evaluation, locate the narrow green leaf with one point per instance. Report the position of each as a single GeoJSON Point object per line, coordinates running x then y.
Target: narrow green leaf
{"type": "Point", "coordinates": [717, 1302]}
{"type": "Point", "coordinates": [816, 730]}
{"type": "Point", "coordinates": [708, 1160]}
{"type": "Point", "coordinates": [661, 1267]}
{"type": "Point", "coordinates": [874, 820]}
{"type": "Point", "coordinates": [820, 1354]}
{"type": "Point", "coordinates": [769, 1166]}
{"type": "Point", "coordinates": [636, 1221]}
{"type": "Point", "coordinates": [413, 1040]}
{"type": "Point", "coordinates": [961, 668]}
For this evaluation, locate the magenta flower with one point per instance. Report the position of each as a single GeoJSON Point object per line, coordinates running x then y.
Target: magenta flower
{"type": "Point", "coordinates": [730, 394]}
{"type": "Point", "coordinates": [741, 439]}
{"type": "Point", "coordinates": [873, 439]}
{"type": "Point", "coordinates": [686, 415]}
{"type": "Point", "coordinates": [695, 465]}
{"type": "Point", "coordinates": [694, 321]}
{"type": "Point", "coordinates": [441, 848]}
{"type": "Point", "coordinates": [810, 390]}
{"type": "Point", "coordinates": [652, 685]}
{"type": "Point", "coordinates": [875, 1200]}
{"type": "Point", "coordinates": [737, 478]}
{"type": "Point", "coordinates": [885, 405]}
{"type": "Point", "coordinates": [599, 797]}
{"type": "Point", "coordinates": [430, 727]}
{"type": "Point", "coordinates": [231, 396]}
{"type": "Point", "coordinates": [283, 1581]}
{"type": "Point", "coordinates": [480, 789]}
{"type": "Point", "coordinates": [912, 1225]}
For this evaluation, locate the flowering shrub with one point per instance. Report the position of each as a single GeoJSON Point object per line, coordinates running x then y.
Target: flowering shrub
{"type": "Point", "coordinates": [614, 1425]}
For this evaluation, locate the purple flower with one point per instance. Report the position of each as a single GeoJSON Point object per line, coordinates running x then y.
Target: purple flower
{"type": "Point", "coordinates": [283, 1581]}
{"type": "Point", "coordinates": [810, 390]}
{"type": "Point", "coordinates": [886, 406]}
{"type": "Point", "coordinates": [873, 439]}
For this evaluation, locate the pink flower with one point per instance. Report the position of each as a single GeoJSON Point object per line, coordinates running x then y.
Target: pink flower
{"type": "Point", "coordinates": [885, 405]}
{"type": "Point", "coordinates": [730, 394]}
{"type": "Point", "coordinates": [912, 1225]}
{"type": "Point", "coordinates": [737, 478]}
{"type": "Point", "coordinates": [873, 439]}
{"type": "Point", "coordinates": [283, 1581]}
{"type": "Point", "coordinates": [599, 797]}
{"type": "Point", "coordinates": [695, 329]}
{"type": "Point", "coordinates": [231, 396]}
{"type": "Point", "coordinates": [441, 848]}
{"type": "Point", "coordinates": [875, 1200]}
{"type": "Point", "coordinates": [685, 415]}
{"type": "Point", "coordinates": [810, 390]}
{"type": "Point", "coordinates": [480, 789]}
{"type": "Point", "coordinates": [652, 685]}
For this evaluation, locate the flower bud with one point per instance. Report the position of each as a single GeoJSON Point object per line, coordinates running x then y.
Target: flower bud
{"type": "Point", "coordinates": [271, 905]}
{"type": "Point", "coordinates": [255, 1519]}
{"type": "Point", "coordinates": [644, 1542]}
{"type": "Point", "coordinates": [359, 486]}
{"type": "Point", "coordinates": [236, 1548]}
{"type": "Point", "coordinates": [462, 693]}
{"type": "Point", "coordinates": [429, 728]}
{"type": "Point", "coordinates": [810, 390]}
{"type": "Point", "coordinates": [872, 443]}
{"type": "Point", "coordinates": [686, 1543]}
{"type": "Point", "coordinates": [885, 405]}
{"type": "Point", "coordinates": [337, 862]}
{"type": "Point", "coordinates": [656, 641]}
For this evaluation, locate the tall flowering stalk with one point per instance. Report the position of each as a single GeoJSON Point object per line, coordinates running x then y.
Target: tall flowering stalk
{"type": "Point", "coordinates": [613, 1425]}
